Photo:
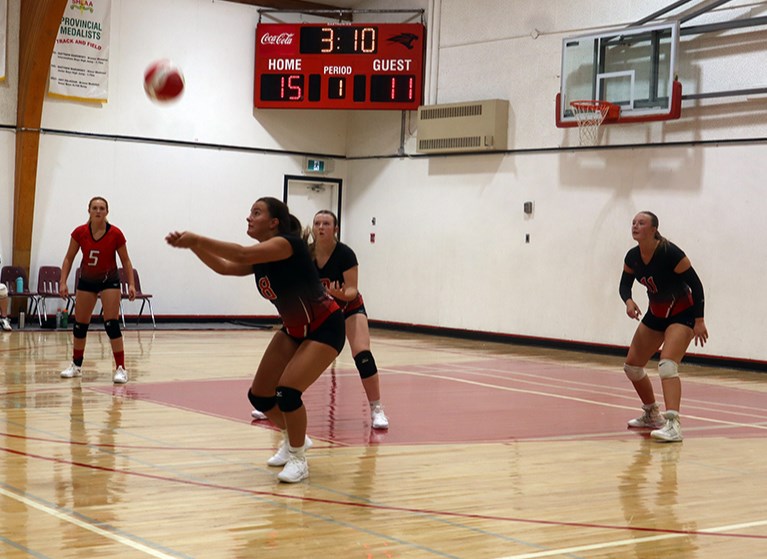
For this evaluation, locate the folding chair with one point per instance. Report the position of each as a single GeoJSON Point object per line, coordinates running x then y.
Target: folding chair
{"type": "Point", "coordinates": [8, 276]}
{"type": "Point", "coordinates": [145, 298]}
{"type": "Point", "coordinates": [48, 278]}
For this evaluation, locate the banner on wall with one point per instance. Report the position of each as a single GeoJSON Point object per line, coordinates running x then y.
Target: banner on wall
{"type": "Point", "coordinates": [3, 36]}
{"type": "Point", "coordinates": [80, 60]}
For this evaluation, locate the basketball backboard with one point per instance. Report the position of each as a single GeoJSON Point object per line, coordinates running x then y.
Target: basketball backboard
{"type": "Point", "coordinates": [634, 68]}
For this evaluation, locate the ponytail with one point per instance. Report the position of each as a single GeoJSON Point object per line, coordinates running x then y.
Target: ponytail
{"type": "Point", "coordinates": [288, 223]}
{"type": "Point", "coordinates": [294, 227]}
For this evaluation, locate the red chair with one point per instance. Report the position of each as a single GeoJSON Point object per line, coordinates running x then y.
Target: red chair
{"type": "Point", "coordinates": [48, 278]}
{"type": "Point", "coordinates": [145, 298]}
{"type": "Point", "coordinates": [8, 276]}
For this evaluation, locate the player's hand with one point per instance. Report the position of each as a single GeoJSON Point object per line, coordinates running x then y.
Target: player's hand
{"type": "Point", "coordinates": [700, 332]}
{"type": "Point", "coordinates": [64, 292]}
{"type": "Point", "coordinates": [632, 309]}
{"type": "Point", "coordinates": [131, 293]}
{"type": "Point", "coordinates": [335, 290]}
{"type": "Point", "coordinates": [181, 239]}
{"type": "Point", "coordinates": [172, 238]}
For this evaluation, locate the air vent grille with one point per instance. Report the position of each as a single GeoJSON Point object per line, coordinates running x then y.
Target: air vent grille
{"type": "Point", "coordinates": [454, 111]}
{"type": "Point", "coordinates": [463, 127]}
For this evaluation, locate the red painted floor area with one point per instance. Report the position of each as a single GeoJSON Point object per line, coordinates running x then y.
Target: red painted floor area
{"type": "Point", "coordinates": [489, 400]}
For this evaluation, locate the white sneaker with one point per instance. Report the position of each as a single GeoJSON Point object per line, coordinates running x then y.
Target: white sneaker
{"type": "Point", "coordinates": [671, 432]}
{"type": "Point", "coordinates": [650, 419]}
{"type": "Point", "coordinates": [281, 457]}
{"type": "Point", "coordinates": [295, 470]}
{"type": "Point", "coordinates": [255, 414]}
{"type": "Point", "coordinates": [71, 371]}
{"type": "Point", "coordinates": [5, 323]}
{"type": "Point", "coordinates": [378, 418]}
{"type": "Point", "coordinates": [121, 376]}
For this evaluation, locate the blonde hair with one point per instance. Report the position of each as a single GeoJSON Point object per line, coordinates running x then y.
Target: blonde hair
{"type": "Point", "coordinates": [654, 222]}
{"type": "Point", "coordinates": [90, 203]}
{"type": "Point", "coordinates": [309, 231]}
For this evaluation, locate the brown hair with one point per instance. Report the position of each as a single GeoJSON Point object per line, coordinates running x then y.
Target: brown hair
{"type": "Point", "coordinates": [288, 223]}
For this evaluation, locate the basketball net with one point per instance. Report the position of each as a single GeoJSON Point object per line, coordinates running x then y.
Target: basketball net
{"type": "Point", "coordinates": [590, 115]}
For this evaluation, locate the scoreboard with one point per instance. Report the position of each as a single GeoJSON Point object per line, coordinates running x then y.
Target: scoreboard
{"type": "Point", "coordinates": [339, 66]}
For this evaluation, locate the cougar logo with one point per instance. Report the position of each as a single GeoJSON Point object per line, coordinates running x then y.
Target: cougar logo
{"type": "Point", "coordinates": [406, 39]}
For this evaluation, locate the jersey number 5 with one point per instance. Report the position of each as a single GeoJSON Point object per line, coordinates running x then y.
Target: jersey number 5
{"type": "Point", "coordinates": [93, 258]}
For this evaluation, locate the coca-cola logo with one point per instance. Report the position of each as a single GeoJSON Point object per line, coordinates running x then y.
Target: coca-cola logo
{"type": "Point", "coordinates": [280, 39]}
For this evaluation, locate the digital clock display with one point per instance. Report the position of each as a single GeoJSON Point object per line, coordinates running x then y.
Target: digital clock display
{"type": "Point", "coordinates": [335, 66]}
{"type": "Point", "coordinates": [339, 40]}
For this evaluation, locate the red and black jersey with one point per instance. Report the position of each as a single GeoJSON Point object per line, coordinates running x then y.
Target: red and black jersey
{"type": "Point", "coordinates": [99, 256]}
{"type": "Point", "coordinates": [294, 287]}
{"type": "Point", "coordinates": [666, 290]}
{"type": "Point", "coordinates": [341, 259]}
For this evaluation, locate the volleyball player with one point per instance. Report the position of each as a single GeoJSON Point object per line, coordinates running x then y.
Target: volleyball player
{"type": "Point", "coordinates": [100, 243]}
{"type": "Point", "coordinates": [312, 335]}
{"type": "Point", "coordinates": [5, 322]}
{"type": "Point", "coordinates": [673, 320]}
{"type": "Point", "coordinates": [338, 269]}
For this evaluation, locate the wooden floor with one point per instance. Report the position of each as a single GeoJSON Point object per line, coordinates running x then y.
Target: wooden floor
{"type": "Point", "coordinates": [494, 451]}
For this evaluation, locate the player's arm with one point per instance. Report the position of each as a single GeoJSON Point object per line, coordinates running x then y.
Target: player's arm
{"type": "Point", "coordinates": [125, 260]}
{"type": "Point", "coordinates": [231, 259]}
{"type": "Point", "coordinates": [627, 280]}
{"type": "Point", "coordinates": [690, 277]}
{"type": "Point", "coordinates": [347, 291]}
{"type": "Point", "coordinates": [66, 267]}
{"type": "Point", "coordinates": [221, 265]}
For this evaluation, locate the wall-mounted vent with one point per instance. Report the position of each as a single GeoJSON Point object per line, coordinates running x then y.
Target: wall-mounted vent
{"type": "Point", "coordinates": [463, 127]}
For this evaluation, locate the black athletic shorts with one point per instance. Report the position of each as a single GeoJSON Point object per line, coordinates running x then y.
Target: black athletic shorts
{"type": "Point", "coordinates": [331, 332]}
{"type": "Point", "coordinates": [356, 310]}
{"type": "Point", "coordinates": [98, 286]}
{"type": "Point", "coordinates": [686, 317]}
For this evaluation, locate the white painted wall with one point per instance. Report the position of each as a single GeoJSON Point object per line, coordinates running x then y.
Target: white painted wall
{"type": "Point", "coordinates": [453, 228]}
{"type": "Point", "coordinates": [450, 231]}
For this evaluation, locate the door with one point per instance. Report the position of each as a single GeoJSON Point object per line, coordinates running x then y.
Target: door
{"type": "Point", "coordinates": [305, 196]}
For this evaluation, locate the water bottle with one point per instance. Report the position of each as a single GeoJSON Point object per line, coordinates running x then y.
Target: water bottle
{"type": "Point", "coordinates": [58, 318]}
{"type": "Point", "coordinates": [19, 285]}
{"type": "Point", "coordinates": [64, 319]}
{"type": "Point", "coordinates": [22, 320]}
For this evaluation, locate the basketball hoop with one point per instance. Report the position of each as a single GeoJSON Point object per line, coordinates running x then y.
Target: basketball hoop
{"type": "Point", "coordinates": [590, 115]}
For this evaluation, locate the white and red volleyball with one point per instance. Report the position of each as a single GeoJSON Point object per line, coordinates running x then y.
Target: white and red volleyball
{"type": "Point", "coordinates": [163, 81]}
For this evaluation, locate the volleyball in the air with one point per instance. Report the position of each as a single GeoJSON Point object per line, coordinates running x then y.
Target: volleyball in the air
{"type": "Point", "coordinates": [163, 81]}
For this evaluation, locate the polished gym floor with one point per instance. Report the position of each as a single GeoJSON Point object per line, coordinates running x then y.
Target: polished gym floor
{"type": "Point", "coordinates": [494, 451]}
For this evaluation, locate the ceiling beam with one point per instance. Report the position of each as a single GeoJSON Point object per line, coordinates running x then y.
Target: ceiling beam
{"type": "Point", "coordinates": [286, 4]}
{"type": "Point", "coordinates": [300, 6]}
{"type": "Point", "coordinates": [38, 27]}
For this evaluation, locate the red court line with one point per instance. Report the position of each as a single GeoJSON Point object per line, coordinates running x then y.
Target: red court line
{"type": "Point", "coordinates": [69, 442]}
{"type": "Point", "coordinates": [430, 512]}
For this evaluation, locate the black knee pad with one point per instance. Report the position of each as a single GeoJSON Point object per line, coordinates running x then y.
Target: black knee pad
{"type": "Point", "coordinates": [80, 329]}
{"type": "Point", "coordinates": [262, 403]}
{"type": "Point", "coordinates": [288, 399]}
{"type": "Point", "coordinates": [112, 328]}
{"type": "Point", "coordinates": [366, 365]}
